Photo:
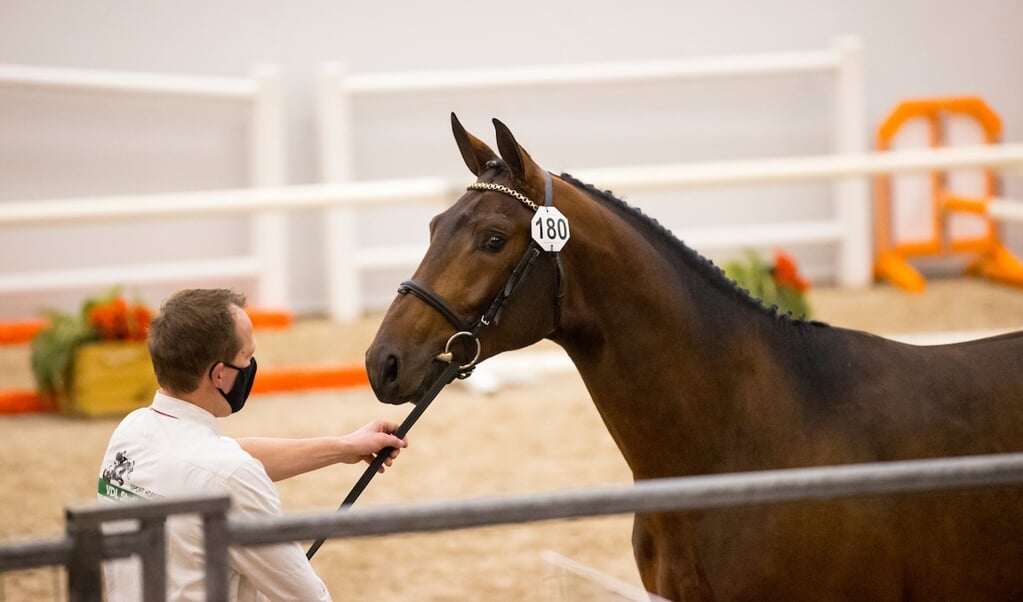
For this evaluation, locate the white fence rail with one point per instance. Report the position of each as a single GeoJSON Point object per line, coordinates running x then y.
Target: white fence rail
{"type": "Point", "coordinates": [262, 95]}
{"type": "Point", "coordinates": [85, 546]}
{"type": "Point", "coordinates": [1006, 210]}
{"type": "Point", "coordinates": [849, 228]}
{"type": "Point", "coordinates": [348, 196]}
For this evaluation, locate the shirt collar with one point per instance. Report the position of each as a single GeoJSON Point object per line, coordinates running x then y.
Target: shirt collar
{"type": "Point", "coordinates": [184, 410]}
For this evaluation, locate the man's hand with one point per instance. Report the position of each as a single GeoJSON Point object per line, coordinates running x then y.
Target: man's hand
{"type": "Point", "coordinates": [365, 443]}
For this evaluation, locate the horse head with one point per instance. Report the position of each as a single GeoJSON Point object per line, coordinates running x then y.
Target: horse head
{"type": "Point", "coordinates": [483, 287]}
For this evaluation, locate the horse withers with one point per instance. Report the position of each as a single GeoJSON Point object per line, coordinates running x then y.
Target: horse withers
{"type": "Point", "coordinates": [693, 376]}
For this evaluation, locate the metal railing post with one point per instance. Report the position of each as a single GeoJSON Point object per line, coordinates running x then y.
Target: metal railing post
{"type": "Point", "coordinates": [216, 542]}
{"type": "Point", "coordinates": [84, 574]}
{"type": "Point", "coordinates": [153, 544]}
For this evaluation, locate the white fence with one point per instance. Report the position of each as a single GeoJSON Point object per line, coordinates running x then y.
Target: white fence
{"type": "Point", "coordinates": [260, 94]}
{"type": "Point", "coordinates": [849, 228]}
{"type": "Point", "coordinates": [336, 92]}
{"type": "Point", "coordinates": [85, 545]}
{"type": "Point", "coordinates": [269, 200]}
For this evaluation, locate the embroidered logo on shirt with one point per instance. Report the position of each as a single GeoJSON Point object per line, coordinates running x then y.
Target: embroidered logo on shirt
{"type": "Point", "coordinates": [120, 469]}
{"type": "Point", "coordinates": [111, 484]}
{"type": "Point", "coordinates": [115, 481]}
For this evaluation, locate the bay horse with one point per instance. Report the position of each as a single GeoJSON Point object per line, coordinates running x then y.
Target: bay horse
{"type": "Point", "coordinates": [693, 376]}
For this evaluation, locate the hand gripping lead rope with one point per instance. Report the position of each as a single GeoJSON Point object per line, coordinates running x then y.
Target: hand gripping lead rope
{"type": "Point", "coordinates": [442, 381]}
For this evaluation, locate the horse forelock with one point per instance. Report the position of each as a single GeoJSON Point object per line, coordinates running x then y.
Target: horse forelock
{"type": "Point", "coordinates": [690, 258]}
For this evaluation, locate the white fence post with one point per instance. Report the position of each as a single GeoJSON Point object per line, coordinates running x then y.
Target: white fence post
{"type": "Point", "coordinates": [344, 293]}
{"type": "Point", "coordinates": [268, 232]}
{"type": "Point", "coordinates": [852, 194]}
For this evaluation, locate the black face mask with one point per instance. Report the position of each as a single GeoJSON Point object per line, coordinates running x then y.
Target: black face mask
{"type": "Point", "coordinates": [242, 385]}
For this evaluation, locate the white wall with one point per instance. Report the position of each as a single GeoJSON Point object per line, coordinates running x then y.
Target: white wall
{"type": "Point", "coordinates": [59, 147]}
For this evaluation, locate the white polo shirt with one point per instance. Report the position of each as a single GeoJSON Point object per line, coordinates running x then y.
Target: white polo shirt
{"type": "Point", "coordinates": [173, 449]}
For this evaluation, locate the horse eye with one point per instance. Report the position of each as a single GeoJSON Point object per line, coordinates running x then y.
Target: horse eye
{"type": "Point", "coordinates": [493, 242]}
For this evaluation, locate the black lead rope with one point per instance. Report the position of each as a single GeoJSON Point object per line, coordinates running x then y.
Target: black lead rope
{"type": "Point", "coordinates": [442, 381]}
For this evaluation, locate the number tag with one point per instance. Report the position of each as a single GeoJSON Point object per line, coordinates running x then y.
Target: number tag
{"type": "Point", "coordinates": [550, 229]}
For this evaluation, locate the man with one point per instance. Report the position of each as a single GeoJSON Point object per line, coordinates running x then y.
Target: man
{"type": "Point", "coordinates": [202, 348]}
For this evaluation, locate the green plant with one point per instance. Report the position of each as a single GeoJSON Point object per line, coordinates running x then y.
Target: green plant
{"type": "Point", "coordinates": [779, 284]}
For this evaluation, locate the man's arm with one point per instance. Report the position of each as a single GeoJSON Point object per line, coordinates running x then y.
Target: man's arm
{"type": "Point", "coordinates": [285, 458]}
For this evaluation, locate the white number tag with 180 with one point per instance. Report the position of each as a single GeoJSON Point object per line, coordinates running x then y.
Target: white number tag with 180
{"type": "Point", "coordinates": [550, 229]}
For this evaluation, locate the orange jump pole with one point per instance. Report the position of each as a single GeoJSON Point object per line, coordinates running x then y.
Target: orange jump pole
{"type": "Point", "coordinates": [289, 379]}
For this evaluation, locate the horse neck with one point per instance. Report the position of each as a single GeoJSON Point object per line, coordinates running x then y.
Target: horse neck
{"type": "Point", "coordinates": [657, 347]}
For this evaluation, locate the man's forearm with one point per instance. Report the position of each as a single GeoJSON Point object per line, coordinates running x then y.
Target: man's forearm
{"type": "Point", "coordinates": [285, 458]}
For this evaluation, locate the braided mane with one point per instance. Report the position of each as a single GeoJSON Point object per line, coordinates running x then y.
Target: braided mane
{"type": "Point", "coordinates": [704, 267]}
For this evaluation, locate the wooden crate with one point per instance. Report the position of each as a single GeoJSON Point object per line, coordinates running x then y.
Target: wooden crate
{"type": "Point", "coordinates": [109, 378]}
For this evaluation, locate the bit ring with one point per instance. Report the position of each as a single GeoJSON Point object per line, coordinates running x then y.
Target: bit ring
{"type": "Point", "coordinates": [448, 356]}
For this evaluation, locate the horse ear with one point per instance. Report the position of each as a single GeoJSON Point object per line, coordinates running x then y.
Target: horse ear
{"type": "Point", "coordinates": [521, 164]}
{"type": "Point", "coordinates": [474, 151]}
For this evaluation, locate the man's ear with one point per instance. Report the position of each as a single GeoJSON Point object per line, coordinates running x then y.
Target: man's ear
{"type": "Point", "coordinates": [474, 151]}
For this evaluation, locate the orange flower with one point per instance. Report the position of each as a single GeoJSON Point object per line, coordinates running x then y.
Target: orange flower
{"type": "Point", "coordinates": [142, 317]}
{"type": "Point", "coordinates": [102, 318]}
{"type": "Point", "coordinates": [116, 320]}
{"type": "Point", "coordinates": [786, 273]}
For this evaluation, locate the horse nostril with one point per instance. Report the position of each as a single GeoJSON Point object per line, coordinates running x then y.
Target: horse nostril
{"type": "Point", "coordinates": [391, 369]}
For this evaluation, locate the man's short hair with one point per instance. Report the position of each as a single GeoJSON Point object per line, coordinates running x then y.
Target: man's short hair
{"type": "Point", "coordinates": [194, 329]}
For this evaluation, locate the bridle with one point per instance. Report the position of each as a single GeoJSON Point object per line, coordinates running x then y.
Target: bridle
{"type": "Point", "coordinates": [491, 316]}
{"type": "Point", "coordinates": [463, 329]}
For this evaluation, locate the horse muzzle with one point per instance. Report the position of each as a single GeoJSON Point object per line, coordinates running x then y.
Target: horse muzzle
{"type": "Point", "coordinates": [384, 368]}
